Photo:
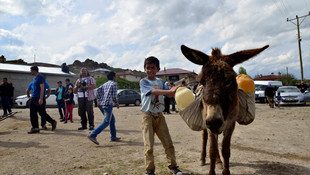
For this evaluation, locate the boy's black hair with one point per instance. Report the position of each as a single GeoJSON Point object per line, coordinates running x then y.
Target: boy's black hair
{"type": "Point", "coordinates": [35, 68]}
{"type": "Point", "coordinates": [67, 80]}
{"type": "Point", "coordinates": [5, 78]}
{"type": "Point", "coordinates": [111, 75]}
{"type": "Point", "coordinates": [151, 60]}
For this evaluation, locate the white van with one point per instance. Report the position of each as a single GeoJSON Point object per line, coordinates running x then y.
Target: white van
{"type": "Point", "coordinates": [260, 87]}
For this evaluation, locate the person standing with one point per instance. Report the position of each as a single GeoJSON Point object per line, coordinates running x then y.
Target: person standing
{"type": "Point", "coordinates": [106, 95]}
{"type": "Point", "coordinates": [48, 88]}
{"type": "Point", "coordinates": [7, 93]}
{"type": "Point", "coordinates": [68, 85]}
{"type": "Point", "coordinates": [38, 102]}
{"type": "Point", "coordinates": [270, 92]}
{"type": "Point", "coordinates": [172, 99]}
{"type": "Point", "coordinates": [84, 86]}
{"type": "Point", "coordinates": [60, 99]}
{"type": "Point", "coordinates": [69, 104]}
{"type": "Point", "coordinates": [303, 87]}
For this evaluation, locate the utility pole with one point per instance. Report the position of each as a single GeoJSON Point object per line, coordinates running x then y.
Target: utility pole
{"type": "Point", "coordinates": [300, 57]}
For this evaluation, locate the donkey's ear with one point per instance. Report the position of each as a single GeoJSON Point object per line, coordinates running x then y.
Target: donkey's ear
{"type": "Point", "coordinates": [239, 57]}
{"type": "Point", "coordinates": [194, 56]}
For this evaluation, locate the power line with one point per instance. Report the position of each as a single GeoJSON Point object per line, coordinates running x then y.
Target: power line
{"type": "Point", "coordinates": [299, 40]}
{"type": "Point", "coordinates": [284, 7]}
{"type": "Point", "coordinates": [276, 4]}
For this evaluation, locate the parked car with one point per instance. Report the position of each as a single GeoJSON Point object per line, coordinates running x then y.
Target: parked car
{"type": "Point", "coordinates": [127, 96]}
{"type": "Point", "coordinates": [260, 87]}
{"type": "Point", "coordinates": [291, 95]}
{"type": "Point", "coordinates": [23, 101]}
{"type": "Point", "coordinates": [307, 95]}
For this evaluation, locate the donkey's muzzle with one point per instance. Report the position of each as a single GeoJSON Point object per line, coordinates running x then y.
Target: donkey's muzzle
{"type": "Point", "coordinates": [215, 126]}
{"type": "Point", "coordinates": [214, 118]}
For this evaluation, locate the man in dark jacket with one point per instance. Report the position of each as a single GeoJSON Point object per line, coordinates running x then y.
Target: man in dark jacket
{"type": "Point", "coordinates": [7, 93]}
{"type": "Point", "coordinates": [60, 99]}
{"type": "Point", "coordinates": [270, 92]}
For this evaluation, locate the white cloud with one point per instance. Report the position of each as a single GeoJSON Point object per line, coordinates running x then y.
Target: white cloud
{"type": "Point", "coordinates": [122, 33]}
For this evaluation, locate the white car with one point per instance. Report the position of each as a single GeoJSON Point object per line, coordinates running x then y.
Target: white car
{"type": "Point", "coordinates": [23, 101]}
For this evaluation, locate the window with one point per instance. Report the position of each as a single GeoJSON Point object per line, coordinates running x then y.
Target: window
{"type": "Point", "coordinates": [174, 78]}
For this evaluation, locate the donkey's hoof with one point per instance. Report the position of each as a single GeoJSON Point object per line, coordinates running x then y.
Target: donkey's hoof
{"type": "Point", "coordinates": [226, 172]}
{"type": "Point", "coordinates": [211, 172]}
{"type": "Point", "coordinates": [203, 163]}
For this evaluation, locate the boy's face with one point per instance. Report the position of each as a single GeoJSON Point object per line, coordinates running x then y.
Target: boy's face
{"type": "Point", "coordinates": [151, 70]}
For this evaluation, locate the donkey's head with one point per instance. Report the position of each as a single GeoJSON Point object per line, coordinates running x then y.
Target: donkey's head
{"type": "Point", "coordinates": [220, 100]}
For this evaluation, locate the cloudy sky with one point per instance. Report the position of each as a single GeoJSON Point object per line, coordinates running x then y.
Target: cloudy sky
{"type": "Point", "coordinates": [122, 33]}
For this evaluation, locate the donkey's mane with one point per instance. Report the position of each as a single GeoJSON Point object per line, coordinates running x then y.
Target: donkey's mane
{"type": "Point", "coordinates": [216, 52]}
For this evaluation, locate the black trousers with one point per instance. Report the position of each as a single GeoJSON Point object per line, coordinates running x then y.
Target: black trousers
{"type": "Point", "coordinates": [86, 106]}
{"type": "Point", "coordinates": [35, 108]}
{"type": "Point", "coordinates": [167, 104]}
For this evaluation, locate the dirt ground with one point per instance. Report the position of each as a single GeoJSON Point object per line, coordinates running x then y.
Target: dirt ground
{"type": "Point", "coordinates": [276, 143]}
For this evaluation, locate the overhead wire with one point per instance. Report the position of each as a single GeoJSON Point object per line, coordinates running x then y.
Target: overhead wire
{"type": "Point", "coordinates": [276, 4]}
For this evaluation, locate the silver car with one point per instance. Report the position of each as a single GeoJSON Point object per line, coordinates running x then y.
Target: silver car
{"type": "Point", "coordinates": [290, 95]}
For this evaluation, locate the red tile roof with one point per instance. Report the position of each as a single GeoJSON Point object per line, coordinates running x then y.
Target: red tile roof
{"type": "Point", "coordinates": [174, 71]}
{"type": "Point", "coordinates": [268, 77]}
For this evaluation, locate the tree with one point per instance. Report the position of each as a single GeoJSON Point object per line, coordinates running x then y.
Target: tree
{"type": "Point", "coordinates": [242, 70]}
{"type": "Point", "coordinates": [288, 79]}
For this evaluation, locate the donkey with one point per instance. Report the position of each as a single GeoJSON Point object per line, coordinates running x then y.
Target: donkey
{"type": "Point", "coordinates": [219, 96]}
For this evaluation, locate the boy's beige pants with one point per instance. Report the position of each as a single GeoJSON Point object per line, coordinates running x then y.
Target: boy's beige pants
{"type": "Point", "coordinates": [156, 124]}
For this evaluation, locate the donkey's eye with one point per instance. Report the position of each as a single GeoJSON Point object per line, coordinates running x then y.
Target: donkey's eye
{"type": "Point", "coordinates": [227, 83]}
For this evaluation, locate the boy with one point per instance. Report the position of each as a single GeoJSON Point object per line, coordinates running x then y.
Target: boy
{"type": "Point", "coordinates": [107, 95]}
{"type": "Point", "coordinates": [153, 121]}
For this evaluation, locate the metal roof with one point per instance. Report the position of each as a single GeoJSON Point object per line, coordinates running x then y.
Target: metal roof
{"type": "Point", "coordinates": [174, 71]}
{"type": "Point", "coordinates": [26, 69]}
{"type": "Point", "coordinates": [101, 70]}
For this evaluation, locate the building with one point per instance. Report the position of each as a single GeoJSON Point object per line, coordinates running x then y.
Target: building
{"type": "Point", "coordinates": [129, 76]}
{"type": "Point", "coordinates": [20, 77]}
{"type": "Point", "coordinates": [270, 77]}
{"type": "Point", "coordinates": [177, 74]}
{"type": "Point", "coordinates": [100, 72]}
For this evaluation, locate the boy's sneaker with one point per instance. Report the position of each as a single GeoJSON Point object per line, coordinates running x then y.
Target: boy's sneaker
{"type": "Point", "coordinates": [150, 173]}
{"type": "Point", "coordinates": [175, 170]}
{"type": "Point", "coordinates": [115, 139]}
{"type": "Point", "coordinates": [93, 139]}
{"type": "Point", "coordinates": [34, 131]}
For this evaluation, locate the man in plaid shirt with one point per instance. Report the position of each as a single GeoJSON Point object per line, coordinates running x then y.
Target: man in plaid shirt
{"type": "Point", "coordinates": [106, 95]}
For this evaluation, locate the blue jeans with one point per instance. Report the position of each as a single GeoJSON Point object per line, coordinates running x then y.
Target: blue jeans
{"type": "Point", "coordinates": [6, 104]}
{"type": "Point", "coordinates": [61, 108]}
{"type": "Point", "coordinates": [109, 120]}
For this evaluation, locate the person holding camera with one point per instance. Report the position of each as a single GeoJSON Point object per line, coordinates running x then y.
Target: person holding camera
{"type": "Point", "coordinates": [84, 87]}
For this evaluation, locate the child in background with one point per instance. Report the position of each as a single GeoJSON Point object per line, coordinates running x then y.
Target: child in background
{"type": "Point", "coordinates": [279, 99]}
{"type": "Point", "coordinates": [69, 104]}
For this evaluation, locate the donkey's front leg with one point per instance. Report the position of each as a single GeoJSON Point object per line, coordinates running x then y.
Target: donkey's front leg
{"type": "Point", "coordinates": [204, 147]}
{"type": "Point", "coordinates": [213, 152]}
{"type": "Point", "coordinates": [226, 148]}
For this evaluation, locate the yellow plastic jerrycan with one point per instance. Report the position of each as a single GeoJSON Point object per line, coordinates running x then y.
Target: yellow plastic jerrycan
{"type": "Point", "coordinates": [246, 83]}
{"type": "Point", "coordinates": [184, 97]}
